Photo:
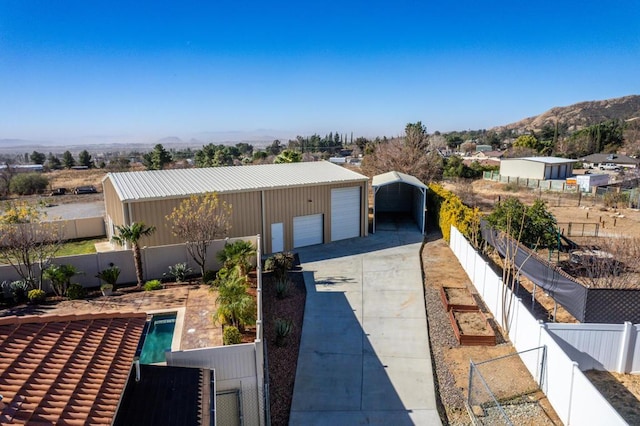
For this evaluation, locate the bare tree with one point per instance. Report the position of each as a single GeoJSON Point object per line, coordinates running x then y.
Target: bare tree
{"type": "Point", "coordinates": [615, 263]}
{"type": "Point", "coordinates": [198, 220]}
{"type": "Point", "coordinates": [28, 241]}
{"type": "Point", "coordinates": [397, 155]}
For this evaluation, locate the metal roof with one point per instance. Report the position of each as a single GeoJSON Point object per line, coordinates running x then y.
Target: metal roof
{"type": "Point", "coordinates": [546, 160]}
{"type": "Point", "coordinates": [394, 177]}
{"type": "Point", "coordinates": [156, 184]}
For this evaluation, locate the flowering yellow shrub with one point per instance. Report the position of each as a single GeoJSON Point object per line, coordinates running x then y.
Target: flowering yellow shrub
{"type": "Point", "coordinates": [451, 211]}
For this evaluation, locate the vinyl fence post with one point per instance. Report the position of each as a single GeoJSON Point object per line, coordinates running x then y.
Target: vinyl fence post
{"type": "Point", "coordinates": [625, 348]}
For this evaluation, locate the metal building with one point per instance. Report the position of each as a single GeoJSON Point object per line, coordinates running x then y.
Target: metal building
{"type": "Point", "coordinates": [291, 205]}
{"type": "Point", "coordinates": [399, 193]}
{"type": "Point", "coordinates": [542, 168]}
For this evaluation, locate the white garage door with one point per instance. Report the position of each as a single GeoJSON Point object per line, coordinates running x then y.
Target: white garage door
{"type": "Point", "coordinates": [307, 230]}
{"type": "Point", "coordinates": [345, 213]}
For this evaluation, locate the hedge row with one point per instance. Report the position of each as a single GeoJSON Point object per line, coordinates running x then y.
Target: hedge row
{"type": "Point", "coordinates": [450, 210]}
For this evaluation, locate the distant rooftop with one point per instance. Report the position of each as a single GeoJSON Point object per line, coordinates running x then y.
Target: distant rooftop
{"type": "Point", "coordinates": [546, 160]}
{"type": "Point", "coordinates": [174, 183]}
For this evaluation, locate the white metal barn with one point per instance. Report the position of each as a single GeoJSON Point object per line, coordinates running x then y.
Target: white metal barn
{"type": "Point", "coordinates": [542, 168]}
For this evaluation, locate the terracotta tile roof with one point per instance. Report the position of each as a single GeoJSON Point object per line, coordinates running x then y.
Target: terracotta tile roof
{"type": "Point", "coordinates": [68, 369]}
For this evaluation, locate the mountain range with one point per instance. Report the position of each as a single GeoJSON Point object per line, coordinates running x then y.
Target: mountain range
{"type": "Point", "coordinates": [580, 115]}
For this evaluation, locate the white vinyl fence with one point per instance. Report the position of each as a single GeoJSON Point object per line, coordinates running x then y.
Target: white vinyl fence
{"type": "Point", "coordinates": [570, 392]}
{"type": "Point", "coordinates": [155, 262]}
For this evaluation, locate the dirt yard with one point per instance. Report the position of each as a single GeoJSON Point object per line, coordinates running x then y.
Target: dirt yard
{"type": "Point", "coordinates": [621, 390]}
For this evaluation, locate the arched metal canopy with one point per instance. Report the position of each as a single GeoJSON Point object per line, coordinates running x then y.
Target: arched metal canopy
{"type": "Point", "coordinates": [399, 192]}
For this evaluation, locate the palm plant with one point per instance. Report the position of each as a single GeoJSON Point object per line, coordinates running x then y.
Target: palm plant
{"type": "Point", "coordinates": [60, 277]}
{"type": "Point", "coordinates": [109, 275]}
{"type": "Point", "coordinates": [131, 234]}
{"type": "Point", "coordinates": [237, 255]}
{"type": "Point", "coordinates": [236, 307]}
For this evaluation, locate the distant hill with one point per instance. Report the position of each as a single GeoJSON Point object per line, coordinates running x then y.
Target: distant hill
{"type": "Point", "coordinates": [580, 115]}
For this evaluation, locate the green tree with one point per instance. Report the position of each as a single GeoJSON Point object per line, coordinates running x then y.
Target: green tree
{"type": "Point", "coordinates": [236, 306]}
{"type": "Point", "coordinates": [38, 157]}
{"type": "Point", "coordinates": [84, 158]}
{"type": "Point", "coordinates": [67, 160]}
{"type": "Point", "coordinates": [534, 226]}
{"type": "Point", "coordinates": [157, 159]}
{"type": "Point", "coordinates": [215, 156]}
{"type": "Point", "coordinates": [197, 221]}
{"type": "Point", "coordinates": [526, 141]}
{"type": "Point", "coordinates": [131, 235]}
{"type": "Point", "coordinates": [28, 183]}
{"type": "Point", "coordinates": [288, 156]}
{"type": "Point", "coordinates": [274, 148]}
{"type": "Point", "coordinates": [53, 162]}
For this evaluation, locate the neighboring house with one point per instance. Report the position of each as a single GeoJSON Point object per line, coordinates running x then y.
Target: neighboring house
{"type": "Point", "coordinates": [542, 168]}
{"type": "Point", "coordinates": [24, 168]}
{"type": "Point", "coordinates": [488, 155]}
{"type": "Point", "coordinates": [483, 148]}
{"type": "Point", "coordinates": [597, 160]}
{"type": "Point", "coordinates": [66, 369]}
{"type": "Point", "coordinates": [290, 205]}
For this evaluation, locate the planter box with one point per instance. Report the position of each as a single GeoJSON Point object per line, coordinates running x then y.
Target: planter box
{"type": "Point", "coordinates": [458, 298]}
{"type": "Point", "coordinates": [472, 328]}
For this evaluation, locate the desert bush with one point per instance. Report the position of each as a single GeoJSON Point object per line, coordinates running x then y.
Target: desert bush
{"type": "Point", "coordinates": [28, 183]}
{"type": "Point", "coordinates": [36, 296]}
{"type": "Point", "coordinates": [152, 285]}
{"type": "Point", "coordinates": [19, 291]}
{"type": "Point", "coordinates": [616, 199]}
{"type": "Point", "coordinates": [179, 272]}
{"type": "Point", "coordinates": [511, 187]}
{"type": "Point", "coordinates": [75, 291]}
{"type": "Point", "coordinates": [231, 335]}
{"type": "Point", "coordinates": [284, 327]}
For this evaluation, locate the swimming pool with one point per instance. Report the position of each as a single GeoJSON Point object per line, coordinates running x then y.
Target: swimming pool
{"type": "Point", "coordinates": [158, 337]}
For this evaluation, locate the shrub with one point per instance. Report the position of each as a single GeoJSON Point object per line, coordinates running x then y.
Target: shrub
{"type": "Point", "coordinates": [280, 263]}
{"type": "Point", "coordinates": [19, 290]}
{"type": "Point", "coordinates": [75, 291]}
{"type": "Point", "coordinates": [615, 199]}
{"type": "Point", "coordinates": [282, 287]}
{"type": "Point", "coordinates": [60, 277]}
{"type": "Point", "coordinates": [511, 187]}
{"type": "Point", "coordinates": [152, 285]}
{"type": "Point", "coordinates": [28, 183]}
{"type": "Point", "coordinates": [231, 336]}
{"type": "Point", "coordinates": [179, 272]}
{"type": "Point", "coordinates": [36, 296]}
{"type": "Point", "coordinates": [109, 275]}
{"type": "Point", "coordinates": [209, 277]}
{"type": "Point", "coordinates": [450, 210]}
{"type": "Point", "coordinates": [284, 327]}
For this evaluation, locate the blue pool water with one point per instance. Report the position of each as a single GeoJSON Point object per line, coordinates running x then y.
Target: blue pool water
{"type": "Point", "coordinates": [158, 338]}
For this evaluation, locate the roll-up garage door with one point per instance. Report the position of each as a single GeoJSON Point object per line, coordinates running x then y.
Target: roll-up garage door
{"type": "Point", "coordinates": [345, 213]}
{"type": "Point", "coordinates": [307, 230]}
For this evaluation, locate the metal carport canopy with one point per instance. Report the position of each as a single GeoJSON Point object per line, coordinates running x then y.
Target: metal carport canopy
{"type": "Point", "coordinates": [398, 177]}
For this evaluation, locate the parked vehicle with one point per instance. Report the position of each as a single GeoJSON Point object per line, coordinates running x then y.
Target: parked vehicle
{"type": "Point", "coordinates": [58, 191]}
{"type": "Point", "coordinates": [89, 189]}
{"type": "Point", "coordinates": [609, 166]}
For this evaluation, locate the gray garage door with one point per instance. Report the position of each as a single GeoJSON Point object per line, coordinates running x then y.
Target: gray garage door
{"type": "Point", "coordinates": [345, 213]}
{"type": "Point", "coordinates": [307, 230]}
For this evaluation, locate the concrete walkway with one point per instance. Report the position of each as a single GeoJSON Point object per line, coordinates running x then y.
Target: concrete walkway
{"type": "Point", "coordinates": [364, 355]}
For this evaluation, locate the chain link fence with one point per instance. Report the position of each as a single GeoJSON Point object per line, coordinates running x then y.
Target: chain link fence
{"type": "Point", "coordinates": [499, 390]}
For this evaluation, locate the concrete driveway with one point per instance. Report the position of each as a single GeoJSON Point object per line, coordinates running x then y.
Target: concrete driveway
{"type": "Point", "coordinates": [364, 355]}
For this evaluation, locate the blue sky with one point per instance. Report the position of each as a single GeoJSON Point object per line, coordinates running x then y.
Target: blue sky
{"type": "Point", "coordinates": [108, 70]}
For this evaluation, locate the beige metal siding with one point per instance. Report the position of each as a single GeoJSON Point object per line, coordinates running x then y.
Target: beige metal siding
{"type": "Point", "coordinates": [282, 205]}
{"type": "Point", "coordinates": [245, 216]}
{"type": "Point", "coordinates": [522, 169]}
{"type": "Point", "coordinates": [113, 206]}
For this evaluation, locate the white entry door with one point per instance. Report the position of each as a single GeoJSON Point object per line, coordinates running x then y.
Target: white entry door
{"type": "Point", "coordinates": [277, 237]}
{"type": "Point", "coordinates": [307, 230]}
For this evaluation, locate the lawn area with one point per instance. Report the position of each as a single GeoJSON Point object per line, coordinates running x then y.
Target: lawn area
{"type": "Point", "coordinates": [73, 248]}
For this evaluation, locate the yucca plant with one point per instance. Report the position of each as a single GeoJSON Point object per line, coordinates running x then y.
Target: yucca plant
{"type": "Point", "coordinates": [282, 287]}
